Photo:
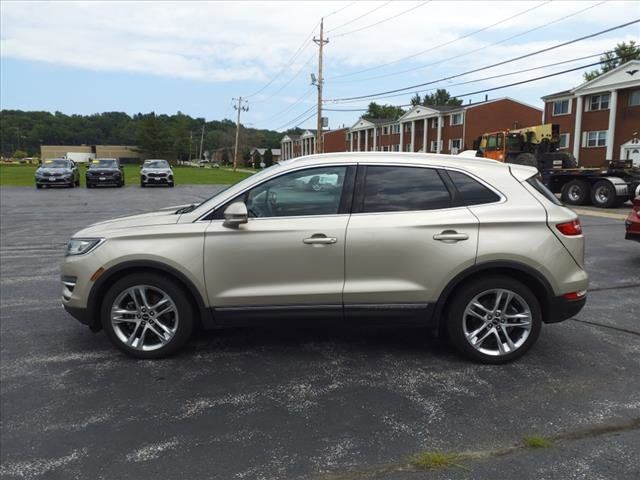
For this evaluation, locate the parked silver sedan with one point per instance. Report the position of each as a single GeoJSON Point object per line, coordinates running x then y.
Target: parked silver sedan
{"type": "Point", "coordinates": [156, 172]}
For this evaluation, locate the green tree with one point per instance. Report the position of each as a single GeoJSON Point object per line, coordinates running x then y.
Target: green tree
{"type": "Point", "coordinates": [621, 54]}
{"type": "Point", "coordinates": [416, 100]}
{"type": "Point", "coordinates": [390, 112]}
{"type": "Point", "coordinates": [19, 154]}
{"type": "Point", "coordinates": [439, 98]}
{"type": "Point", "coordinates": [267, 158]}
{"type": "Point", "coordinates": [152, 137]}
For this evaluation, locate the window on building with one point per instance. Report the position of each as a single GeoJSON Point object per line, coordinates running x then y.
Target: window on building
{"type": "Point", "coordinates": [434, 123]}
{"type": "Point", "coordinates": [596, 139]}
{"type": "Point", "coordinates": [563, 140]}
{"type": "Point", "coordinates": [433, 145]}
{"type": "Point", "coordinates": [562, 107]}
{"type": "Point", "coordinates": [407, 127]}
{"type": "Point", "coordinates": [396, 147]}
{"type": "Point", "coordinates": [472, 191]}
{"type": "Point", "coordinates": [599, 102]}
{"type": "Point", "coordinates": [455, 143]}
{"type": "Point", "coordinates": [456, 119]}
{"type": "Point", "coordinates": [403, 189]}
{"type": "Point", "coordinates": [634, 98]}
{"type": "Point", "coordinates": [395, 128]}
{"type": "Point", "coordinates": [385, 130]}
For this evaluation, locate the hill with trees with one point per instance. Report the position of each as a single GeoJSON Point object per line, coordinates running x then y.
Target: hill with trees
{"type": "Point", "coordinates": [156, 135]}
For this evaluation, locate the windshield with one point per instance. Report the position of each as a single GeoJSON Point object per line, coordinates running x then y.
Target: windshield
{"type": "Point", "coordinates": [155, 164]}
{"type": "Point", "coordinates": [103, 163]}
{"type": "Point", "coordinates": [56, 163]}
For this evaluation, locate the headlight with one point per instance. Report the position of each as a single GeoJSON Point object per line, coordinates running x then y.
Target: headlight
{"type": "Point", "coordinates": [80, 246]}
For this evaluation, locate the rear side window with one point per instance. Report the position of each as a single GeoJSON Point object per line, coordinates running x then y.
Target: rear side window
{"type": "Point", "coordinates": [472, 191]}
{"type": "Point", "coordinates": [536, 183]}
{"type": "Point", "coordinates": [403, 189]}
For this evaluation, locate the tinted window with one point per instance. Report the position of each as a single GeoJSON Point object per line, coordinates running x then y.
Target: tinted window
{"type": "Point", "coordinates": [315, 191]}
{"type": "Point", "coordinates": [401, 189]}
{"type": "Point", "coordinates": [536, 183]}
{"type": "Point", "coordinates": [472, 191]}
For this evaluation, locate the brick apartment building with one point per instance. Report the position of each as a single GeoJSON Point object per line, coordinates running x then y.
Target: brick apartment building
{"type": "Point", "coordinates": [600, 119]}
{"type": "Point", "coordinates": [292, 146]}
{"type": "Point", "coordinates": [443, 129]}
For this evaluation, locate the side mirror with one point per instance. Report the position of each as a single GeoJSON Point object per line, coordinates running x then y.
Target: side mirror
{"type": "Point", "coordinates": [235, 215]}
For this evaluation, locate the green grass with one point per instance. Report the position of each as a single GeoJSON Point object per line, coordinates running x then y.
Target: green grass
{"type": "Point", "coordinates": [433, 460]}
{"type": "Point", "coordinates": [537, 441]}
{"type": "Point", "coordinates": [23, 175]}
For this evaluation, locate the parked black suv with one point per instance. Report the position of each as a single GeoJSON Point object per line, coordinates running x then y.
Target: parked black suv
{"type": "Point", "coordinates": [105, 171]}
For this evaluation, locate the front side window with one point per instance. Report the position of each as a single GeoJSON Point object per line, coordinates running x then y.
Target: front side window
{"type": "Point", "coordinates": [315, 191]}
{"type": "Point", "coordinates": [597, 139]}
{"type": "Point", "coordinates": [403, 189]}
{"type": "Point", "coordinates": [561, 107]}
{"type": "Point", "coordinates": [492, 142]}
{"type": "Point", "coordinates": [599, 102]}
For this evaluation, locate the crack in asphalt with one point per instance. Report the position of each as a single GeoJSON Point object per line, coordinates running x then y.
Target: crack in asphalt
{"type": "Point", "coordinates": [592, 431]}
{"type": "Point", "coordinates": [597, 324]}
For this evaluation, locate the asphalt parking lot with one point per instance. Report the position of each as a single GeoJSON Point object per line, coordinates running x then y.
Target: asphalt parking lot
{"type": "Point", "coordinates": [303, 403]}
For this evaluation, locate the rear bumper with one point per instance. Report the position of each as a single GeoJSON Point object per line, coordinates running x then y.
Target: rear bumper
{"type": "Point", "coordinates": [632, 236]}
{"type": "Point", "coordinates": [561, 309]}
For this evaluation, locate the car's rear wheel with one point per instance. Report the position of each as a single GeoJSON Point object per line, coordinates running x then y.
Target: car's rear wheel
{"type": "Point", "coordinates": [603, 194]}
{"type": "Point", "coordinates": [494, 320]}
{"type": "Point", "coordinates": [147, 316]}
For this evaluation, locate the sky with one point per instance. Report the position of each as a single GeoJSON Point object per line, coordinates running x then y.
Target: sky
{"type": "Point", "coordinates": [195, 57]}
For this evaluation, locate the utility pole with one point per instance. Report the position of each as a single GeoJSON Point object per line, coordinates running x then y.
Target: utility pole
{"type": "Point", "coordinates": [201, 140]}
{"type": "Point", "coordinates": [240, 104]}
{"type": "Point", "coordinates": [319, 81]}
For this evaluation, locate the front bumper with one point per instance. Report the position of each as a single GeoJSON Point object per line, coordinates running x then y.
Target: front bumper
{"type": "Point", "coordinates": [104, 180]}
{"type": "Point", "coordinates": [561, 309]}
{"type": "Point", "coordinates": [149, 180]}
{"type": "Point", "coordinates": [54, 180]}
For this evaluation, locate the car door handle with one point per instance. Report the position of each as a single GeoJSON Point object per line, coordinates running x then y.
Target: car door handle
{"type": "Point", "coordinates": [450, 236]}
{"type": "Point", "coordinates": [319, 239]}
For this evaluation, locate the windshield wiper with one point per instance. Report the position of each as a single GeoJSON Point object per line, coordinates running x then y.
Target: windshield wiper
{"type": "Point", "coordinates": [186, 209]}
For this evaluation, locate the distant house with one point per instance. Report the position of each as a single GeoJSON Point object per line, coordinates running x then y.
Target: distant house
{"type": "Point", "coordinates": [257, 154]}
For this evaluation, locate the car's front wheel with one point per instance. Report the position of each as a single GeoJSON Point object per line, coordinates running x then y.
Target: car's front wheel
{"type": "Point", "coordinates": [494, 320]}
{"type": "Point", "coordinates": [147, 316]}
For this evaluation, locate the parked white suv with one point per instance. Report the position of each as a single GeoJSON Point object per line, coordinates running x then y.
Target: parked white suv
{"type": "Point", "coordinates": [477, 248]}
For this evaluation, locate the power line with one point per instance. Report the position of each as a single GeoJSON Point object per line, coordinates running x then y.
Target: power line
{"type": "Point", "coordinates": [420, 67]}
{"type": "Point", "coordinates": [290, 107]}
{"type": "Point", "coordinates": [361, 16]}
{"type": "Point", "coordinates": [282, 87]}
{"type": "Point", "coordinates": [516, 72]}
{"type": "Point", "coordinates": [504, 62]}
{"type": "Point", "coordinates": [442, 44]}
{"type": "Point", "coordinates": [300, 49]}
{"type": "Point", "coordinates": [339, 10]}
{"type": "Point", "coordinates": [461, 95]}
{"type": "Point", "coordinates": [381, 21]}
{"type": "Point", "coordinates": [313, 107]}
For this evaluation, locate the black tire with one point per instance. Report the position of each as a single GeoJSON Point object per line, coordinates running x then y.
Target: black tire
{"type": "Point", "coordinates": [575, 192]}
{"type": "Point", "coordinates": [171, 184]}
{"type": "Point", "coordinates": [526, 158]}
{"type": "Point", "coordinates": [77, 182]}
{"type": "Point", "coordinates": [142, 185]}
{"type": "Point", "coordinates": [456, 319]}
{"type": "Point", "coordinates": [38, 186]}
{"type": "Point", "coordinates": [603, 194]}
{"type": "Point", "coordinates": [185, 314]}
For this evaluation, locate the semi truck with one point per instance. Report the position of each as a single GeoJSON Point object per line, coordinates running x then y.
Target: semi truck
{"type": "Point", "coordinates": [607, 186]}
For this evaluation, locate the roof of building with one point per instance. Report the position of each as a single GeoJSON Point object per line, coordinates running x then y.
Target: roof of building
{"type": "Point", "coordinates": [612, 77]}
{"type": "Point", "coordinates": [274, 151]}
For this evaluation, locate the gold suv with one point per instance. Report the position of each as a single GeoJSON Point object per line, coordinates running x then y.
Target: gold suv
{"type": "Point", "coordinates": [478, 249]}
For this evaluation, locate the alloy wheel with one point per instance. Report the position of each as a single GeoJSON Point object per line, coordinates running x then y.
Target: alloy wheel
{"type": "Point", "coordinates": [497, 322]}
{"type": "Point", "coordinates": [144, 317]}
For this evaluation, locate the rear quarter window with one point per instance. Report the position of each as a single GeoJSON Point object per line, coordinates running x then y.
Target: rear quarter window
{"type": "Point", "coordinates": [472, 191]}
{"type": "Point", "coordinates": [536, 182]}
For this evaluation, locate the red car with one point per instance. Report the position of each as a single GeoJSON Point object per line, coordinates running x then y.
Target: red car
{"type": "Point", "coordinates": [633, 221]}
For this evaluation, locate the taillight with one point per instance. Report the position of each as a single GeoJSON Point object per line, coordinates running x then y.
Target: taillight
{"type": "Point", "coordinates": [571, 228]}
